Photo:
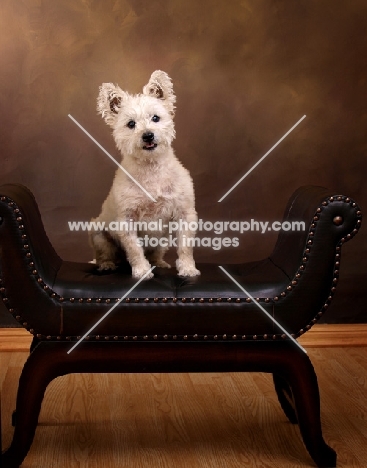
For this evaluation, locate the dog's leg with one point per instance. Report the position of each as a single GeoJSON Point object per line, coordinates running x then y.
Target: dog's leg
{"type": "Point", "coordinates": [135, 254]}
{"type": "Point", "coordinates": [104, 248]}
{"type": "Point", "coordinates": [185, 263]}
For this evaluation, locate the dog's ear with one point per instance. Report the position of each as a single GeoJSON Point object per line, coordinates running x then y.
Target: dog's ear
{"type": "Point", "coordinates": [160, 87]}
{"type": "Point", "coordinates": [109, 102]}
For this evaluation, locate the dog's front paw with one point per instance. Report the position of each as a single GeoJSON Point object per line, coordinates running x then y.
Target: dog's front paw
{"type": "Point", "coordinates": [139, 271]}
{"type": "Point", "coordinates": [108, 265]}
{"type": "Point", "coordinates": [186, 268]}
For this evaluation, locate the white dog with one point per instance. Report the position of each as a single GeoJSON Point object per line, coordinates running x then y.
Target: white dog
{"type": "Point", "coordinates": [143, 130]}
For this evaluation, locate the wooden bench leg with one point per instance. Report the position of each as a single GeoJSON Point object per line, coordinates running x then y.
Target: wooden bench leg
{"type": "Point", "coordinates": [37, 373]}
{"type": "Point", "coordinates": [300, 381]}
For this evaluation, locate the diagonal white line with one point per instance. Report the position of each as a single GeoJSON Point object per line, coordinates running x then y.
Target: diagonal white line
{"type": "Point", "coordinates": [261, 159]}
{"type": "Point", "coordinates": [110, 310]}
{"type": "Point", "coordinates": [111, 157]}
{"type": "Point", "coordinates": [262, 308]}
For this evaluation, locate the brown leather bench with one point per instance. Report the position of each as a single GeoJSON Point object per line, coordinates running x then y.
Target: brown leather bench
{"type": "Point", "coordinates": [173, 324]}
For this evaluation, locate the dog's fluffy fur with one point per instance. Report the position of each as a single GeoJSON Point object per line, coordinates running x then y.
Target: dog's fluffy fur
{"type": "Point", "coordinates": [143, 130]}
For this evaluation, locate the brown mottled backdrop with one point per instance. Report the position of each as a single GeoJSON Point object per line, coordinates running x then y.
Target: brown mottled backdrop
{"type": "Point", "coordinates": [244, 72]}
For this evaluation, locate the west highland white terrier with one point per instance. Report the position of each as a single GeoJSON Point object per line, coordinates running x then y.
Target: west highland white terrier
{"type": "Point", "coordinates": [143, 131]}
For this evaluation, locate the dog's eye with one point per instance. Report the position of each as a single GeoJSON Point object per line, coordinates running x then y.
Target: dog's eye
{"type": "Point", "coordinates": [131, 124]}
{"type": "Point", "coordinates": [155, 118]}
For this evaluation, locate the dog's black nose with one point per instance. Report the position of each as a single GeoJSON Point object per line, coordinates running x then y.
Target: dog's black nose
{"type": "Point", "coordinates": [148, 137]}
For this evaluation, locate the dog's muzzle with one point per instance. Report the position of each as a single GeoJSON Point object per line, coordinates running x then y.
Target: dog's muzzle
{"type": "Point", "coordinates": [148, 138]}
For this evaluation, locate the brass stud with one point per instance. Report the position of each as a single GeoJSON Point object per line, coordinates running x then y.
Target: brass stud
{"type": "Point", "coordinates": [174, 337]}
{"type": "Point", "coordinates": [224, 337]}
{"type": "Point", "coordinates": [205, 337]}
{"type": "Point", "coordinates": [80, 300]}
{"type": "Point", "coordinates": [276, 298]}
{"type": "Point", "coordinates": [219, 299]}
{"type": "Point", "coordinates": [283, 336]}
{"type": "Point", "coordinates": [282, 294]}
{"type": "Point", "coordinates": [185, 337]}
{"type": "Point", "coordinates": [196, 336]}
{"type": "Point", "coordinates": [238, 299]}
{"type": "Point", "coordinates": [234, 337]}
{"type": "Point", "coordinates": [164, 299]}
{"type": "Point", "coordinates": [49, 337]}
{"type": "Point", "coordinates": [137, 299]}
{"type": "Point", "coordinates": [89, 300]}
{"type": "Point", "coordinates": [155, 337]}
{"type": "Point", "coordinates": [61, 299]}
{"type": "Point", "coordinates": [28, 255]}
{"type": "Point", "coordinates": [156, 299]}
{"type": "Point", "coordinates": [229, 299]}
{"type": "Point", "coordinates": [338, 220]}
{"type": "Point", "coordinates": [72, 299]}
{"type": "Point", "coordinates": [165, 337]}
{"type": "Point", "coordinates": [183, 299]}
{"type": "Point", "coordinates": [243, 337]}
{"type": "Point", "coordinates": [211, 299]}
{"type": "Point", "coordinates": [108, 301]}
{"type": "Point", "coordinates": [265, 336]}
{"type": "Point", "coordinates": [201, 300]}
{"type": "Point", "coordinates": [127, 299]}
{"type": "Point", "coordinates": [97, 337]}
{"type": "Point", "coordinates": [215, 337]}
{"type": "Point", "coordinates": [135, 338]}
{"type": "Point", "coordinates": [145, 337]}
{"type": "Point", "coordinates": [248, 299]}
{"type": "Point", "coordinates": [174, 299]}
{"type": "Point", "coordinates": [267, 299]}
{"type": "Point", "coordinates": [193, 299]}
{"type": "Point", "coordinates": [116, 338]}
{"type": "Point", "coordinates": [254, 337]}
{"type": "Point", "coordinates": [25, 324]}
{"type": "Point", "coordinates": [146, 299]}
{"type": "Point", "coordinates": [289, 288]}
{"type": "Point", "coordinates": [126, 337]}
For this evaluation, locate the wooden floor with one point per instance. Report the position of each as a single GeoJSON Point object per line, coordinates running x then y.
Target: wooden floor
{"type": "Point", "coordinates": [189, 420]}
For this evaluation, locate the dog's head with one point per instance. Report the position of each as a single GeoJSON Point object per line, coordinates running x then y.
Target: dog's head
{"type": "Point", "coordinates": [142, 124]}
